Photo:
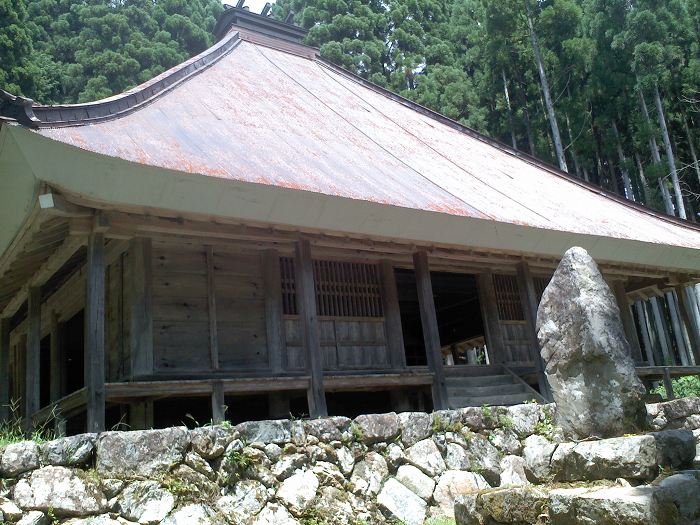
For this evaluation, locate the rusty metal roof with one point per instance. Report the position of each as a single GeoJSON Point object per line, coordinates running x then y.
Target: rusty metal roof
{"type": "Point", "coordinates": [270, 111]}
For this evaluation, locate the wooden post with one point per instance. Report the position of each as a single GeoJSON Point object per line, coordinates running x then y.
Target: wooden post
{"type": "Point", "coordinates": [431, 334]}
{"type": "Point", "coordinates": [623, 304]}
{"type": "Point", "coordinates": [306, 305]}
{"type": "Point", "coordinates": [643, 324]}
{"type": "Point", "coordinates": [211, 301]}
{"type": "Point", "coordinates": [677, 328]}
{"type": "Point", "coordinates": [278, 405]}
{"type": "Point", "coordinates": [668, 384]}
{"type": "Point", "coordinates": [57, 371]}
{"type": "Point", "coordinates": [95, 333]}
{"type": "Point", "coordinates": [489, 314]}
{"type": "Point", "coordinates": [660, 324]}
{"type": "Point", "coordinates": [274, 325]}
{"type": "Point", "coordinates": [33, 375]}
{"type": "Point", "coordinates": [392, 316]}
{"type": "Point", "coordinates": [4, 369]}
{"type": "Point", "coordinates": [218, 404]}
{"type": "Point", "coordinates": [141, 312]}
{"type": "Point", "coordinates": [141, 415]}
{"type": "Point", "coordinates": [685, 309]}
{"type": "Point", "coordinates": [528, 297]}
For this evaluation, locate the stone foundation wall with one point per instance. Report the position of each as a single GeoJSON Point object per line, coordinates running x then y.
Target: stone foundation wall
{"type": "Point", "coordinates": [384, 468]}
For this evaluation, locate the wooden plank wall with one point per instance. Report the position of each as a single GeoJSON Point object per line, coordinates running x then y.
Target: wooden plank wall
{"type": "Point", "coordinates": [117, 317]}
{"type": "Point", "coordinates": [181, 309]}
{"type": "Point", "coordinates": [347, 344]}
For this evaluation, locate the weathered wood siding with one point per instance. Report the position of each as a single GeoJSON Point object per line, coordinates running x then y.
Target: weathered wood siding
{"type": "Point", "coordinates": [516, 338]}
{"type": "Point", "coordinates": [117, 319]}
{"type": "Point", "coordinates": [181, 309]}
{"type": "Point", "coordinates": [346, 344]}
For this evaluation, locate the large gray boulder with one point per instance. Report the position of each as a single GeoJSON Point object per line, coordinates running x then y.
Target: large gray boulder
{"type": "Point", "coordinates": [17, 458]}
{"type": "Point", "coordinates": [64, 491]}
{"type": "Point", "coordinates": [401, 504]}
{"type": "Point", "coordinates": [140, 454]}
{"type": "Point", "coordinates": [586, 353]}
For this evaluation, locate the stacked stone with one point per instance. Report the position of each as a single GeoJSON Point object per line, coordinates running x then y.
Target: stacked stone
{"type": "Point", "coordinates": [373, 469]}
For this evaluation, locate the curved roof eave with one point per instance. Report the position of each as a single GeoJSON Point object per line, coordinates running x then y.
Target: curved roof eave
{"type": "Point", "coordinates": [149, 189]}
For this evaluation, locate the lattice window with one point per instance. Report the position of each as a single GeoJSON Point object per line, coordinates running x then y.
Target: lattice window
{"type": "Point", "coordinates": [289, 292]}
{"type": "Point", "coordinates": [540, 284]}
{"type": "Point", "coordinates": [343, 289]}
{"type": "Point", "coordinates": [510, 307]}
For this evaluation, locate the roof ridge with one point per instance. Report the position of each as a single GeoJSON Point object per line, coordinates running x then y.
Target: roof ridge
{"type": "Point", "coordinates": [26, 112]}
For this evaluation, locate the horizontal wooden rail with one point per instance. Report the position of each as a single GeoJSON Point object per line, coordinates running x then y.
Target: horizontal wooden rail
{"type": "Point", "coordinates": [657, 372]}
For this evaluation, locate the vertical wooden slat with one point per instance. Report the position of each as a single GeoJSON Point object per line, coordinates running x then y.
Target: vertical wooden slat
{"type": "Point", "coordinates": [623, 304]}
{"type": "Point", "coordinates": [528, 295]}
{"type": "Point", "coordinates": [489, 313]}
{"type": "Point", "coordinates": [668, 384]}
{"type": "Point", "coordinates": [660, 323]}
{"type": "Point", "coordinates": [643, 324]}
{"type": "Point", "coordinates": [392, 316]}
{"type": "Point", "coordinates": [211, 303]}
{"type": "Point", "coordinates": [676, 328]}
{"type": "Point", "coordinates": [685, 308]}
{"type": "Point", "coordinates": [33, 375]}
{"type": "Point", "coordinates": [306, 305]}
{"type": "Point", "coordinates": [57, 370]}
{"type": "Point", "coordinates": [273, 311]}
{"type": "Point", "coordinates": [141, 415]}
{"type": "Point", "coordinates": [95, 333]}
{"type": "Point", "coordinates": [218, 404]}
{"type": "Point", "coordinates": [431, 334]}
{"type": "Point", "coordinates": [141, 314]}
{"type": "Point", "coordinates": [4, 369]}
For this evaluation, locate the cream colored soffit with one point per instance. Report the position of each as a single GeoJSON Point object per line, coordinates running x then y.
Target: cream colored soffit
{"type": "Point", "coordinates": [115, 181]}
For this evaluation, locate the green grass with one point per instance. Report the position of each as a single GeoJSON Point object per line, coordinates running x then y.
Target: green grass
{"type": "Point", "coordinates": [12, 430]}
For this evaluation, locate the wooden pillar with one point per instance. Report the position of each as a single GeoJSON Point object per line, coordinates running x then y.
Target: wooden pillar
{"type": "Point", "coordinates": [623, 304]}
{"type": "Point", "coordinates": [489, 315]}
{"type": "Point", "coordinates": [95, 333]}
{"type": "Point", "coordinates": [211, 302]}
{"type": "Point", "coordinates": [528, 297]}
{"type": "Point", "coordinates": [4, 370]}
{"type": "Point", "coordinates": [392, 316]}
{"type": "Point", "coordinates": [306, 305]}
{"type": "Point", "coordinates": [57, 371]}
{"type": "Point", "coordinates": [660, 324]}
{"type": "Point", "coordinates": [644, 325]}
{"type": "Point", "coordinates": [431, 334]}
{"type": "Point", "coordinates": [668, 384]}
{"type": "Point", "coordinates": [677, 328]}
{"type": "Point", "coordinates": [141, 312]}
{"type": "Point", "coordinates": [274, 324]}
{"type": "Point", "coordinates": [33, 358]}
{"type": "Point", "coordinates": [685, 309]}
{"type": "Point", "coordinates": [141, 415]}
{"type": "Point", "coordinates": [218, 403]}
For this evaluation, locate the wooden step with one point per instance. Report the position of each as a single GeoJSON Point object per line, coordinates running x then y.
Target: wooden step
{"type": "Point", "coordinates": [487, 390]}
{"type": "Point", "coordinates": [497, 400]}
{"type": "Point", "coordinates": [486, 380]}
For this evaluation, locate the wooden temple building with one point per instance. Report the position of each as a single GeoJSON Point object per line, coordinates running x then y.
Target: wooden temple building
{"type": "Point", "coordinates": [257, 232]}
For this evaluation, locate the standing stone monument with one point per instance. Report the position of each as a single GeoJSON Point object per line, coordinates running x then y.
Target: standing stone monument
{"type": "Point", "coordinates": [586, 354]}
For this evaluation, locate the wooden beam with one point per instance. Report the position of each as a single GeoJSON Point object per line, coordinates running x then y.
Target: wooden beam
{"type": "Point", "coordinates": [644, 326]}
{"type": "Point", "coordinates": [274, 324]}
{"type": "Point", "coordinates": [431, 334]}
{"type": "Point", "coordinates": [392, 316]}
{"type": "Point", "coordinates": [23, 237]}
{"type": "Point", "coordinates": [308, 317]}
{"type": "Point", "coordinates": [528, 297]}
{"type": "Point", "coordinates": [57, 371]}
{"type": "Point", "coordinates": [54, 263]}
{"type": "Point", "coordinates": [141, 310]}
{"type": "Point", "coordinates": [661, 331]}
{"type": "Point", "coordinates": [4, 369]}
{"type": "Point", "coordinates": [211, 306]}
{"type": "Point", "coordinates": [668, 384]}
{"type": "Point", "coordinates": [55, 204]}
{"type": "Point", "coordinates": [95, 333]}
{"type": "Point", "coordinates": [685, 308]}
{"type": "Point", "coordinates": [32, 392]}
{"type": "Point", "coordinates": [489, 314]}
{"type": "Point", "coordinates": [618, 288]}
{"type": "Point", "coordinates": [218, 404]}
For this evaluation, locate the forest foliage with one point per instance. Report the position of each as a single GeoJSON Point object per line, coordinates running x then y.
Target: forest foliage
{"type": "Point", "coordinates": [606, 89]}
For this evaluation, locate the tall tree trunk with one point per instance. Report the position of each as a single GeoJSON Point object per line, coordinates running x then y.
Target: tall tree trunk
{"type": "Point", "coordinates": [623, 163]}
{"type": "Point", "coordinates": [510, 111]}
{"type": "Point", "coordinates": [693, 154]}
{"type": "Point", "coordinates": [666, 196]}
{"type": "Point", "coordinates": [528, 130]}
{"type": "Point", "coordinates": [571, 145]}
{"type": "Point", "coordinates": [585, 175]}
{"type": "Point", "coordinates": [669, 153]}
{"type": "Point", "coordinates": [545, 89]}
{"type": "Point", "coordinates": [642, 177]}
